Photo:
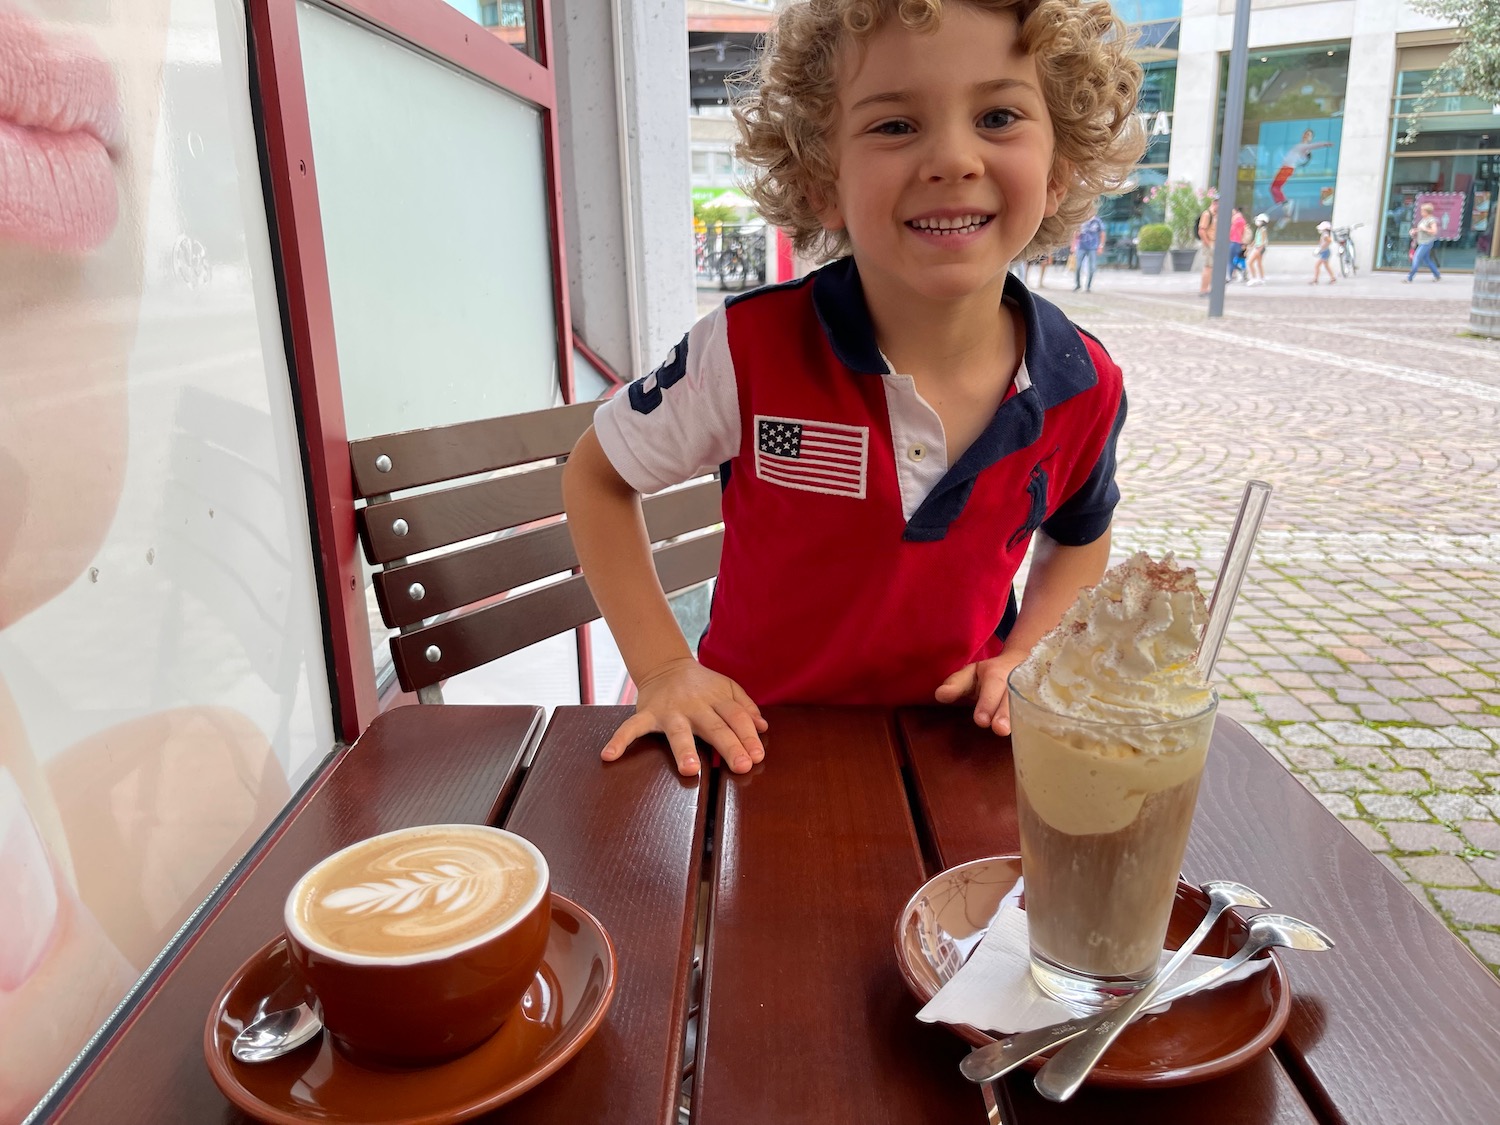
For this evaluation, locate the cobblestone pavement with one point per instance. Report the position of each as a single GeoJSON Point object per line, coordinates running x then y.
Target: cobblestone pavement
{"type": "Point", "coordinates": [1366, 648]}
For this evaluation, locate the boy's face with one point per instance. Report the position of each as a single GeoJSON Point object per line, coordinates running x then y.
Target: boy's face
{"type": "Point", "coordinates": [944, 150]}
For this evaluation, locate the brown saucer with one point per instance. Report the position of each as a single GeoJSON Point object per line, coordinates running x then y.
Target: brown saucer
{"type": "Point", "coordinates": [561, 1009]}
{"type": "Point", "coordinates": [1198, 1037]}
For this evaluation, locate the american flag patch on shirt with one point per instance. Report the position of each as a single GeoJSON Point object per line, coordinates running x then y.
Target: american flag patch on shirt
{"type": "Point", "coordinates": [813, 456]}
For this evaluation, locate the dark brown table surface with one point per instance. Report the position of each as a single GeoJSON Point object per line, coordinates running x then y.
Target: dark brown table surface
{"type": "Point", "coordinates": [795, 875]}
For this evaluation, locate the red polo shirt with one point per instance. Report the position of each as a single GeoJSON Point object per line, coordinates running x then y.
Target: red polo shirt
{"type": "Point", "coordinates": [859, 565]}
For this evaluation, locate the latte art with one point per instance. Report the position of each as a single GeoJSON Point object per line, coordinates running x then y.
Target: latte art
{"type": "Point", "coordinates": [415, 892]}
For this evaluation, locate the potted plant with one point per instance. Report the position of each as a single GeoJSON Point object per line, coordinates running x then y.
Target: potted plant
{"type": "Point", "coordinates": [1184, 204]}
{"type": "Point", "coordinates": [1151, 246]}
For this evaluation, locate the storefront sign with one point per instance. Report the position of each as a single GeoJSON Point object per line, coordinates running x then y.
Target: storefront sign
{"type": "Point", "coordinates": [1158, 124]}
{"type": "Point", "coordinates": [1448, 210]}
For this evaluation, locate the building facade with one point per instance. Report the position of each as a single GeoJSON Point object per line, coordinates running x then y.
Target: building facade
{"type": "Point", "coordinates": [1329, 96]}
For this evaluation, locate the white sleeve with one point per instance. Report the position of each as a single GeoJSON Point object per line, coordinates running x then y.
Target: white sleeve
{"type": "Point", "coordinates": [660, 430]}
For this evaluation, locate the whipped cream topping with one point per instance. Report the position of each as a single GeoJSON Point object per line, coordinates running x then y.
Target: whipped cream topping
{"type": "Point", "coordinates": [1124, 651]}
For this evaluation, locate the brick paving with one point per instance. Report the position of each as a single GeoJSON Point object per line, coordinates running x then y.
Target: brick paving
{"type": "Point", "coordinates": [1366, 648]}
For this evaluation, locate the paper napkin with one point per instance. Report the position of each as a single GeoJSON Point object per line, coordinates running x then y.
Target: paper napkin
{"type": "Point", "coordinates": [994, 991]}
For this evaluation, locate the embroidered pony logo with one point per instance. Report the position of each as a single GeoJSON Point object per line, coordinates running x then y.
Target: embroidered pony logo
{"type": "Point", "coordinates": [1036, 514]}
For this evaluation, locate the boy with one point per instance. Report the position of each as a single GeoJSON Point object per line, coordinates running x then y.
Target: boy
{"type": "Point", "coordinates": [894, 427]}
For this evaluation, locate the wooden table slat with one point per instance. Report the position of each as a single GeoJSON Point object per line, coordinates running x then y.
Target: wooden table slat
{"type": "Point", "coordinates": [965, 788]}
{"type": "Point", "coordinates": [625, 840]}
{"type": "Point", "coordinates": [465, 769]}
{"type": "Point", "coordinates": [805, 1018]}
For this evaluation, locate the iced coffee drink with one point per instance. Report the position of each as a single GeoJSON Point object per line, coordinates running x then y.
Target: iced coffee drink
{"type": "Point", "coordinates": [1110, 725]}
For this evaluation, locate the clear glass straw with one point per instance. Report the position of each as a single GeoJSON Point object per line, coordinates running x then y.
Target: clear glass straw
{"type": "Point", "coordinates": [1232, 573]}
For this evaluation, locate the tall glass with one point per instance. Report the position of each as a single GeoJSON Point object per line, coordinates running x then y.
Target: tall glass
{"type": "Point", "coordinates": [1105, 809]}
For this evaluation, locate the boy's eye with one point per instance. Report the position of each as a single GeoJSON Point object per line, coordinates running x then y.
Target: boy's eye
{"type": "Point", "coordinates": [996, 119]}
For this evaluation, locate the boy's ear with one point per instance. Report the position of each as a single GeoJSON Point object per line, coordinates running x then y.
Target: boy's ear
{"type": "Point", "coordinates": [1058, 184]}
{"type": "Point", "coordinates": [824, 200]}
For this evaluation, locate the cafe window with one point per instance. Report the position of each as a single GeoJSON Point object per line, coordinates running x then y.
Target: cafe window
{"type": "Point", "coordinates": [510, 21]}
{"type": "Point", "coordinates": [1289, 144]}
{"type": "Point", "coordinates": [1453, 163]}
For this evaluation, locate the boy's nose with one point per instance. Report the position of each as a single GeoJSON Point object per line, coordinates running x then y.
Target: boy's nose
{"type": "Point", "coordinates": [953, 156]}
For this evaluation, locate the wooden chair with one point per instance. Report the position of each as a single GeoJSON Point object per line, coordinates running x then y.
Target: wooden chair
{"type": "Point", "coordinates": [450, 561]}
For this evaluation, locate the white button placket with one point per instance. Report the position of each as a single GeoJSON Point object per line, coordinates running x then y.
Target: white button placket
{"type": "Point", "coordinates": [920, 447]}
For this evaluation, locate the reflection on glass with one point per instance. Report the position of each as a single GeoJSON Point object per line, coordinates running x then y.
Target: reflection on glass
{"type": "Point", "coordinates": [1289, 144]}
{"type": "Point", "coordinates": [509, 21]}
{"type": "Point", "coordinates": [1453, 163]}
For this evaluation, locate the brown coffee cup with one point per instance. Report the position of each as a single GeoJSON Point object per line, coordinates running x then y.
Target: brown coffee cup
{"type": "Point", "coordinates": [420, 943]}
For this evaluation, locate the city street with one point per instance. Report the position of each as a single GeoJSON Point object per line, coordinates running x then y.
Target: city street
{"type": "Point", "coordinates": [1366, 647]}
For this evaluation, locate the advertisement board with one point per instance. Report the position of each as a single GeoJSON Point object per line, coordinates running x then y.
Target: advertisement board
{"type": "Point", "coordinates": [163, 687]}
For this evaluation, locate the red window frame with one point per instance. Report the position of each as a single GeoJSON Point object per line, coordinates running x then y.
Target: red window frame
{"type": "Point", "coordinates": [435, 28]}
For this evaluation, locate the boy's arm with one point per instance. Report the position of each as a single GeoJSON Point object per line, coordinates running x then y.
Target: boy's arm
{"type": "Point", "coordinates": [675, 694]}
{"type": "Point", "coordinates": [1057, 574]}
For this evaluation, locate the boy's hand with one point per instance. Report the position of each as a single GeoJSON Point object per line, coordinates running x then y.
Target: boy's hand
{"type": "Point", "coordinates": [681, 698]}
{"type": "Point", "coordinates": [984, 682]}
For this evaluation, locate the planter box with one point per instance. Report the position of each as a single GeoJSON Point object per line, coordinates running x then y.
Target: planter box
{"type": "Point", "coordinates": [1151, 260]}
{"type": "Point", "coordinates": [1484, 307]}
{"type": "Point", "coordinates": [1182, 260]}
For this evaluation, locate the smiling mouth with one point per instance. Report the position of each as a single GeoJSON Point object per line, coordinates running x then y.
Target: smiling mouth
{"type": "Point", "coordinates": [961, 224]}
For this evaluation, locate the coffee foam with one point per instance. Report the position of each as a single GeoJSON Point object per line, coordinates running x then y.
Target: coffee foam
{"type": "Point", "coordinates": [416, 894]}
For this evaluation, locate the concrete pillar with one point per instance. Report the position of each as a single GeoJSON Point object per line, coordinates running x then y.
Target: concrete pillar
{"type": "Point", "coordinates": [1364, 146]}
{"type": "Point", "coordinates": [622, 78]}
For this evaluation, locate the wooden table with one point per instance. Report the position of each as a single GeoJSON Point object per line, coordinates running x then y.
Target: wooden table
{"type": "Point", "coordinates": [800, 869]}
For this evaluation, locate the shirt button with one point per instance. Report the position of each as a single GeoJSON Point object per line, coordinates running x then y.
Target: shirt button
{"type": "Point", "coordinates": [917, 452]}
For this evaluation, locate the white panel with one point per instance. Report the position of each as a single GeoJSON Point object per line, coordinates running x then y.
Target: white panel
{"type": "Point", "coordinates": [433, 192]}
{"type": "Point", "coordinates": [162, 676]}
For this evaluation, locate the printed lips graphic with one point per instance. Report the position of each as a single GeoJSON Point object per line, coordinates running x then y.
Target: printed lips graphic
{"type": "Point", "coordinates": [59, 124]}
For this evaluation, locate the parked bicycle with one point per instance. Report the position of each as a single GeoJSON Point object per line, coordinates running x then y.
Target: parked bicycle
{"type": "Point", "coordinates": [734, 256]}
{"type": "Point", "coordinates": [1343, 241]}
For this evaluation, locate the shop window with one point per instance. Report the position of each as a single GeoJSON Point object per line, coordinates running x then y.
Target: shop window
{"type": "Point", "coordinates": [1453, 163]}
{"type": "Point", "coordinates": [1289, 145]}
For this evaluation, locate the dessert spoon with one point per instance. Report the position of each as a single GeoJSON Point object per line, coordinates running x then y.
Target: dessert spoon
{"type": "Point", "coordinates": [1064, 1073]}
{"type": "Point", "coordinates": [1004, 1055]}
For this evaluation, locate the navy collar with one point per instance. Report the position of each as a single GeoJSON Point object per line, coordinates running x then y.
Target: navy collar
{"type": "Point", "coordinates": [1056, 360]}
{"type": "Point", "coordinates": [1057, 363]}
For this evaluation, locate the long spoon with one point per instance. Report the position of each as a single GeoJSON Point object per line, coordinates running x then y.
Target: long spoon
{"type": "Point", "coordinates": [998, 1058]}
{"type": "Point", "coordinates": [1064, 1073]}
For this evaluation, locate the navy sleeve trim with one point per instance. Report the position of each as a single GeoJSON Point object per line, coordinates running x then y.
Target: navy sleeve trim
{"type": "Point", "coordinates": [1087, 514]}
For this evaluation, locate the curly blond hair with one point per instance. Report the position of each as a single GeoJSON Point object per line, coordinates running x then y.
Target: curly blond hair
{"type": "Point", "coordinates": [788, 104]}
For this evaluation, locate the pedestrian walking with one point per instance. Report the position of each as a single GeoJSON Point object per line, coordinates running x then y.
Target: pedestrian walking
{"type": "Point", "coordinates": [1255, 265]}
{"type": "Point", "coordinates": [1425, 232]}
{"type": "Point", "coordinates": [1323, 255]}
{"type": "Point", "coordinates": [1208, 226]}
{"type": "Point", "coordinates": [1237, 226]}
{"type": "Point", "coordinates": [1041, 262]}
{"type": "Point", "coordinates": [1091, 237]}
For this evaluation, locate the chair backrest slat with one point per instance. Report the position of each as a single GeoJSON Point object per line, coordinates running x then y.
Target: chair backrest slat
{"type": "Point", "coordinates": [481, 635]}
{"type": "Point", "coordinates": [418, 457]}
{"type": "Point", "coordinates": [394, 529]}
{"type": "Point", "coordinates": [491, 492]}
{"type": "Point", "coordinates": [410, 593]}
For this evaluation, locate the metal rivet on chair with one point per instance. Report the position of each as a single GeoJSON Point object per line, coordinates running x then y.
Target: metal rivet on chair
{"type": "Point", "coordinates": [382, 464]}
{"type": "Point", "coordinates": [433, 654]}
{"type": "Point", "coordinates": [416, 591]}
{"type": "Point", "coordinates": [399, 527]}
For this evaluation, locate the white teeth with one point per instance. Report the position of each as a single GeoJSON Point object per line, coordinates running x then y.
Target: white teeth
{"type": "Point", "coordinates": [962, 224]}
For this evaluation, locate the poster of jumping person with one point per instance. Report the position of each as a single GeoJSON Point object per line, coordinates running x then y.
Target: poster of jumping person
{"type": "Point", "coordinates": [1297, 162]}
